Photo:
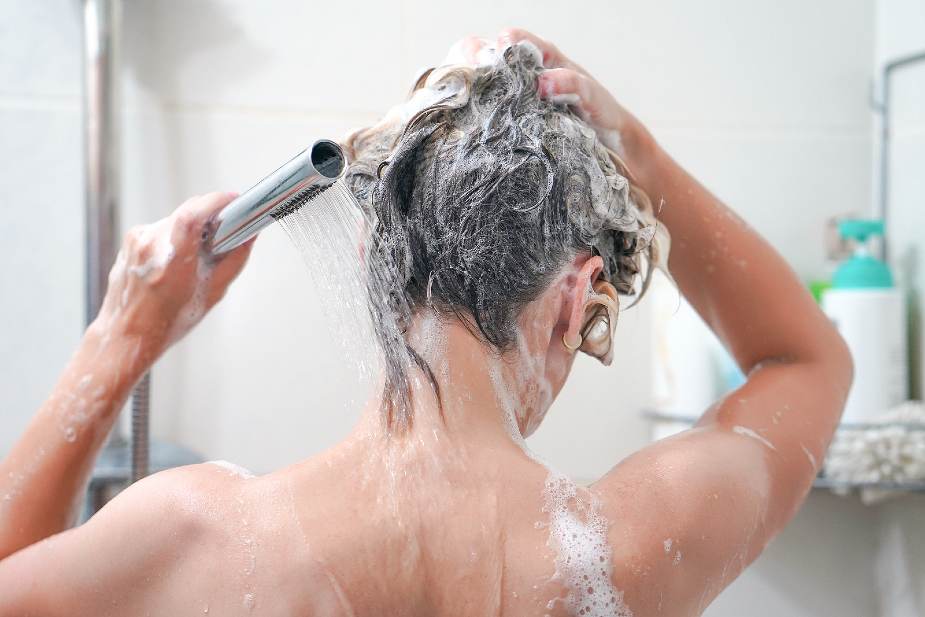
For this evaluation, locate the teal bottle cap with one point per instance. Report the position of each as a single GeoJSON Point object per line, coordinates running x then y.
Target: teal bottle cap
{"type": "Point", "coordinates": [861, 270]}
{"type": "Point", "coordinates": [860, 229]}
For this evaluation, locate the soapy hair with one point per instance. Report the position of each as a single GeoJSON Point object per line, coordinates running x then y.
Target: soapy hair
{"type": "Point", "coordinates": [481, 193]}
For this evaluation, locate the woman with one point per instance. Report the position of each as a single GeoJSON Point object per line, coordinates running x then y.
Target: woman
{"type": "Point", "coordinates": [507, 231]}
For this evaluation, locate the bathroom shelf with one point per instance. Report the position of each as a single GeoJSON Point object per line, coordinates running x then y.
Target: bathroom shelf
{"type": "Point", "coordinates": [113, 470]}
{"type": "Point", "coordinates": [821, 482]}
{"type": "Point", "coordinates": [660, 416]}
{"type": "Point", "coordinates": [115, 463]}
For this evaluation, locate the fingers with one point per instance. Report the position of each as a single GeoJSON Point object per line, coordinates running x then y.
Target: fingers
{"type": "Point", "coordinates": [226, 269]}
{"type": "Point", "coordinates": [569, 87]}
{"type": "Point", "coordinates": [190, 219]}
{"type": "Point", "coordinates": [552, 57]}
{"type": "Point", "coordinates": [204, 206]}
{"type": "Point", "coordinates": [475, 51]}
{"type": "Point", "coordinates": [192, 216]}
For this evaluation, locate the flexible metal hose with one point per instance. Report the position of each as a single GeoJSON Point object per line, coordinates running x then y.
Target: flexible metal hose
{"type": "Point", "coordinates": [141, 402]}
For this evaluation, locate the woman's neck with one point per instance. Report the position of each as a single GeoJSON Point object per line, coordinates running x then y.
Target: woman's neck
{"type": "Point", "coordinates": [480, 396]}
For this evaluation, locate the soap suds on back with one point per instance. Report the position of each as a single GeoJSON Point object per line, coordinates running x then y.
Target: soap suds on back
{"type": "Point", "coordinates": [583, 556]}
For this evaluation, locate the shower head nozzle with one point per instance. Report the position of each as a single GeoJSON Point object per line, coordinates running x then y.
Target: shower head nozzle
{"type": "Point", "coordinates": [282, 192]}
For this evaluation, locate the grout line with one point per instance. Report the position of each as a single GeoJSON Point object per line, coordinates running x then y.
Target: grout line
{"type": "Point", "coordinates": [360, 117]}
{"type": "Point", "coordinates": [906, 132]}
{"type": "Point", "coordinates": [769, 132]}
{"type": "Point", "coordinates": [40, 102]}
{"type": "Point", "coordinates": [363, 115]}
{"type": "Point", "coordinates": [371, 115]}
{"type": "Point", "coordinates": [367, 117]}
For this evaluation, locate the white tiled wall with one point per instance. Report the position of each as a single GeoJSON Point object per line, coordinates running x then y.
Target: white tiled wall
{"type": "Point", "coordinates": [221, 92]}
{"type": "Point", "coordinates": [900, 31]}
{"type": "Point", "coordinates": [41, 190]}
{"type": "Point", "coordinates": [766, 101]}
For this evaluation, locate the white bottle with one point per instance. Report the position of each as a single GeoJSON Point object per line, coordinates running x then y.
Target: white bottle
{"type": "Point", "coordinates": [684, 371]}
{"type": "Point", "coordinates": [868, 311]}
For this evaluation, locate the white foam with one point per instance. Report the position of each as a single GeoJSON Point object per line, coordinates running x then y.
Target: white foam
{"type": "Point", "coordinates": [158, 234]}
{"type": "Point", "coordinates": [506, 401]}
{"type": "Point", "coordinates": [809, 456]}
{"type": "Point", "coordinates": [747, 432]}
{"type": "Point", "coordinates": [456, 55]}
{"type": "Point", "coordinates": [76, 409]}
{"type": "Point", "coordinates": [421, 99]}
{"type": "Point", "coordinates": [611, 139]}
{"type": "Point", "coordinates": [667, 545]}
{"type": "Point", "coordinates": [583, 555]}
{"type": "Point", "coordinates": [486, 54]}
{"type": "Point", "coordinates": [432, 335]}
{"type": "Point", "coordinates": [195, 308]}
{"type": "Point", "coordinates": [233, 469]}
{"type": "Point", "coordinates": [532, 371]}
{"type": "Point", "coordinates": [567, 98]}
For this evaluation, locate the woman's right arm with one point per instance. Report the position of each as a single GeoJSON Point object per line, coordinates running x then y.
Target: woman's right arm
{"type": "Point", "coordinates": [160, 286]}
{"type": "Point", "coordinates": [721, 491]}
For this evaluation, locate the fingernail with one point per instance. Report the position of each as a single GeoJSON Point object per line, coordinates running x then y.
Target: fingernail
{"type": "Point", "coordinates": [233, 194]}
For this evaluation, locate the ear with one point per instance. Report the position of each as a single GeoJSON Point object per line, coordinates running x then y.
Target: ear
{"type": "Point", "coordinates": [593, 315]}
{"type": "Point", "coordinates": [579, 294]}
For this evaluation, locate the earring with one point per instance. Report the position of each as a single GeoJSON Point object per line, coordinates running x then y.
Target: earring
{"type": "Point", "coordinates": [597, 334]}
{"type": "Point", "coordinates": [571, 348]}
{"type": "Point", "coordinates": [598, 330]}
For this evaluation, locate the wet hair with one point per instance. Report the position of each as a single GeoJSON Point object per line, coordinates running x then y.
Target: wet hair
{"type": "Point", "coordinates": [481, 193]}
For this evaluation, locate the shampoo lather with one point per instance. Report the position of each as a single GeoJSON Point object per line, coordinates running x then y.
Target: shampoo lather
{"type": "Point", "coordinates": [867, 309]}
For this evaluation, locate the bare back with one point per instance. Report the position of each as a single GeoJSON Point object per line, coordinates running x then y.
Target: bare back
{"type": "Point", "coordinates": [364, 531]}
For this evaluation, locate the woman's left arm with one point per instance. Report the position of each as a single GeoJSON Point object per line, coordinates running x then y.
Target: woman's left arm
{"type": "Point", "coordinates": [162, 284]}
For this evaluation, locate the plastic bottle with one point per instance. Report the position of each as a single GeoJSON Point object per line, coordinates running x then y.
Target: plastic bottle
{"type": "Point", "coordinates": [867, 309]}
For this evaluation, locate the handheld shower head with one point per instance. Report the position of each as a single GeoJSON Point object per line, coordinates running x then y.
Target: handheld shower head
{"type": "Point", "coordinates": [280, 193]}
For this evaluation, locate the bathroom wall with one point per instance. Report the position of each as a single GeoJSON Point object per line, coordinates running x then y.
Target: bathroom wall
{"type": "Point", "coordinates": [41, 196]}
{"type": "Point", "coordinates": [765, 101]}
{"type": "Point", "coordinates": [900, 31]}
{"type": "Point", "coordinates": [221, 92]}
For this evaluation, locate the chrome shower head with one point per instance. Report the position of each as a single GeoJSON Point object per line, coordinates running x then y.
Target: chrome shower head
{"type": "Point", "coordinates": [282, 192]}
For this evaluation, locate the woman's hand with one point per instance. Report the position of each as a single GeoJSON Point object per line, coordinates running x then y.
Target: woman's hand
{"type": "Point", "coordinates": [566, 82]}
{"type": "Point", "coordinates": [161, 285]}
{"type": "Point", "coordinates": [164, 280]}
